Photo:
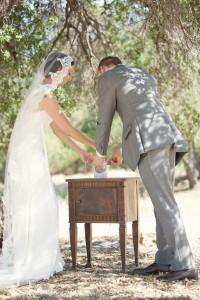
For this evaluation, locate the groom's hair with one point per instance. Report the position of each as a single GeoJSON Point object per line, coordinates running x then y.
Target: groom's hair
{"type": "Point", "coordinates": [109, 61]}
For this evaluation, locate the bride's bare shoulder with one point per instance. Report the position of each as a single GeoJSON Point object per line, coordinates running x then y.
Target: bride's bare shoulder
{"type": "Point", "coordinates": [50, 96]}
{"type": "Point", "coordinates": [49, 102]}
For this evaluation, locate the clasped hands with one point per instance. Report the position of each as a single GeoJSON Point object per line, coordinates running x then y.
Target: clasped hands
{"type": "Point", "coordinates": [99, 160]}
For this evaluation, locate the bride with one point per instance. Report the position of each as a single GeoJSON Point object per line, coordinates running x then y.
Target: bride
{"type": "Point", "coordinates": [30, 244]}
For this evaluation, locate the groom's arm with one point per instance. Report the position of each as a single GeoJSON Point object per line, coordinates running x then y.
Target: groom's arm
{"type": "Point", "coordinates": [106, 110]}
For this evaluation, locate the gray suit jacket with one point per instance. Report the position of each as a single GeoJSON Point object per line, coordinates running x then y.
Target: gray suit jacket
{"type": "Point", "coordinates": [146, 125]}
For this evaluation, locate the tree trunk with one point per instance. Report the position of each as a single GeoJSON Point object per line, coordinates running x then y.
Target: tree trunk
{"type": "Point", "coordinates": [1, 223]}
{"type": "Point", "coordinates": [197, 160]}
{"type": "Point", "coordinates": [198, 168]}
{"type": "Point", "coordinates": [190, 166]}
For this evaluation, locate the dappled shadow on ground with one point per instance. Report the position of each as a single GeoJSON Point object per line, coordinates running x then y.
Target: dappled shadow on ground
{"type": "Point", "coordinates": [104, 280]}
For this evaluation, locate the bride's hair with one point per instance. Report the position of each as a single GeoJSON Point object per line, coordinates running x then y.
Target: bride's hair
{"type": "Point", "coordinates": [53, 63]}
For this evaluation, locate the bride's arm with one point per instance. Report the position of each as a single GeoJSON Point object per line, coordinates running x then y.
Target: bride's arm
{"type": "Point", "coordinates": [66, 140]}
{"type": "Point", "coordinates": [50, 105]}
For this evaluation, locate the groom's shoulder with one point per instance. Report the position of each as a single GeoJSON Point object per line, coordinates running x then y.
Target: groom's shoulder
{"type": "Point", "coordinates": [125, 71]}
{"type": "Point", "coordinates": [106, 75]}
{"type": "Point", "coordinates": [105, 79]}
{"type": "Point", "coordinates": [111, 74]}
{"type": "Point", "coordinates": [117, 73]}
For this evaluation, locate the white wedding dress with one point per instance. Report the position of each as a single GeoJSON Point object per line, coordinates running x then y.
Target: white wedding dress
{"type": "Point", "coordinates": [30, 246]}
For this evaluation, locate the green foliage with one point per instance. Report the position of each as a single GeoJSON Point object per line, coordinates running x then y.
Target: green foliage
{"type": "Point", "coordinates": [26, 37]}
{"type": "Point", "coordinates": [61, 158]}
{"type": "Point", "coordinates": [66, 100]}
{"type": "Point", "coordinates": [24, 42]}
{"type": "Point", "coordinates": [188, 120]}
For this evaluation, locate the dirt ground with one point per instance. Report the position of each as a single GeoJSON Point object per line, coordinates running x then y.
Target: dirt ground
{"type": "Point", "coordinates": [104, 280]}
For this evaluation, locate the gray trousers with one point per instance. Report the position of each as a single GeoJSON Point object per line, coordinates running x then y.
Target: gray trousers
{"type": "Point", "coordinates": [157, 173]}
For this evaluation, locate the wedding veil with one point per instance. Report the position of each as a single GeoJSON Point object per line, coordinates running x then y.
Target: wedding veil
{"type": "Point", "coordinates": [27, 168]}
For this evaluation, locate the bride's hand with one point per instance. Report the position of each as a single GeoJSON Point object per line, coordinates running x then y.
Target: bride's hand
{"type": "Point", "coordinates": [87, 158]}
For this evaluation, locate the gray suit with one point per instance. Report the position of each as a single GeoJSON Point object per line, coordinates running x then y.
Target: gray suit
{"type": "Point", "coordinates": [152, 142]}
{"type": "Point", "coordinates": [146, 126]}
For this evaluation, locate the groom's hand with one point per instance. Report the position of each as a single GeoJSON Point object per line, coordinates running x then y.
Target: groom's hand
{"type": "Point", "coordinates": [116, 158]}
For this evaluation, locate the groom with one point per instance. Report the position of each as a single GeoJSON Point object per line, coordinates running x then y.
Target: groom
{"type": "Point", "coordinates": [152, 143]}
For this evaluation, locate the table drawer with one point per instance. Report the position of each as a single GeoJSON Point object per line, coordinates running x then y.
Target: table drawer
{"type": "Point", "coordinates": [96, 201]}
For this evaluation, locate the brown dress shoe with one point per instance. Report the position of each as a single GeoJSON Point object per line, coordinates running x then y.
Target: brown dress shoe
{"type": "Point", "coordinates": [150, 270]}
{"type": "Point", "coordinates": [179, 275]}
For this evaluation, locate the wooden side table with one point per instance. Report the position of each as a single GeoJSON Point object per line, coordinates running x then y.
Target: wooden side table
{"type": "Point", "coordinates": [111, 200]}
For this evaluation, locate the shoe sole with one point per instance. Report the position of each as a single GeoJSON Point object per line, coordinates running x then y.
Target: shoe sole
{"type": "Point", "coordinates": [147, 274]}
{"type": "Point", "coordinates": [178, 279]}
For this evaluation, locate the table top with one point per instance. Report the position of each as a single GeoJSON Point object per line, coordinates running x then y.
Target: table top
{"type": "Point", "coordinates": [110, 179]}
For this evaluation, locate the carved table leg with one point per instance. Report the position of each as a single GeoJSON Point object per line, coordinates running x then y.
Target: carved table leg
{"type": "Point", "coordinates": [88, 240]}
{"type": "Point", "coordinates": [135, 233]}
{"type": "Point", "coordinates": [73, 242]}
{"type": "Point", "coordinates": [122, 238]}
